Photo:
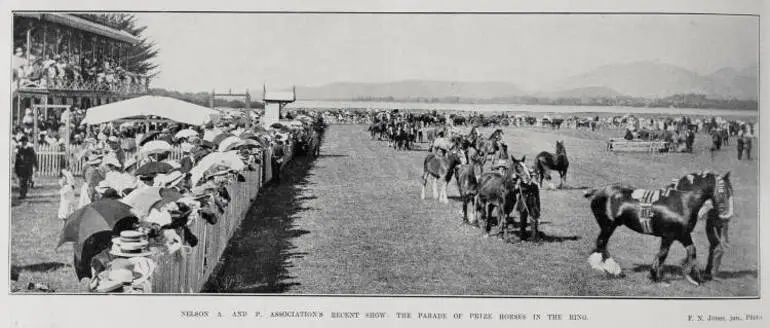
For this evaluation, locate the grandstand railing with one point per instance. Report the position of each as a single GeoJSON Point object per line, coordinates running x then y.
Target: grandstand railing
{"type": "Point", "coordinates": [120, 87]}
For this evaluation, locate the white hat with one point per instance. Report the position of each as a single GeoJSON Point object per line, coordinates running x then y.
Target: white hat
{"type": "Point", "coordinates": [170, 179]}
{"type": "Point", "coordinates": [113, 139]}
{"type": "Point", "coordinates": [110, 159]}
{"type": "Point", "coordinates": [187, 147]}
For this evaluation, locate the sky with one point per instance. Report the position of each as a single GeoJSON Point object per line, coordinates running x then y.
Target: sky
{"type": "Point", "coordinates": [200, 52]}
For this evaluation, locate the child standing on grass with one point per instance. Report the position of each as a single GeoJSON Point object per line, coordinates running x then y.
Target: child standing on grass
{"type": "Point", "coordinates": [67, 200]}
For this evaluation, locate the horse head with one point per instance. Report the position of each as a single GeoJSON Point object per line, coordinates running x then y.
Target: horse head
{"type": "Point", "coordinates": [710, 186]}
{"type": "Point", "coordinates": [560, 147]}
{"type": "Point", "coordinates": [519, 166]}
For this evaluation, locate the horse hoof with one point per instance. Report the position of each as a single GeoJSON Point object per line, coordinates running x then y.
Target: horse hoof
{"type": "Point", "coordinates": [691, 280]}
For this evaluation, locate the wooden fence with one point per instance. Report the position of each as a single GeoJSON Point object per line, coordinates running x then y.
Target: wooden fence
{"type": "Point", "coordinates": [637, 146]}
{"type": "Point", "coordinates": [51, 159]}
{"type": "Point", "coordinates": [189, 272]}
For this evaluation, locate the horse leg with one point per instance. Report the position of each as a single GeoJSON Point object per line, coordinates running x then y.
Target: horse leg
{"type": "Point", "coordinates": [471, 217]}
{"type": "Point", "coordinates": [434, 182]}
{"type": "Point", "coordinates": [716, 249]}
{"type": "Point", "coordinates": [445, 185]}
{"type": "Point", "coordinates": [501, 221]}
{"type": "Point", "coordinates": [523, 225]}
{"type": "Point", "coordinates": [660, 258]}
{"type": "Point", "coordinates": [424, 181]}
{"type": "Point", "coordinates": [600, 257]}
{"type": "Point", "coordinates": [563, 178]}
{"type": "Point", "coordinates": [690, 267]}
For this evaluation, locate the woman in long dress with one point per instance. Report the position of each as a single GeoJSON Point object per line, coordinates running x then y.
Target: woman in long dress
{"type": "Point", "coordinates": [68, 203]}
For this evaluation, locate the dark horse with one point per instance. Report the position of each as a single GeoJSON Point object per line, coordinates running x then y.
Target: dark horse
{"type": "Point", "coordinates": [717, 219]}
{"type": "Point", "coordinates": [377, 129]}
{"type": "Point", "coordinates": [440, 169]}
{"type": "Point", "coordinates": [667, 213]}
{"type": "Point", "coordinates": [467, 179]}
{"type": "Point", "coordinates": [545, 162]}
{"type": "Point", "coordinates": [503, 192]}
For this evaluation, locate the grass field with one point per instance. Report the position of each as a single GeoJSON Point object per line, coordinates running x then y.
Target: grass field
{"type": "Point", "coordinates": [352, 222]}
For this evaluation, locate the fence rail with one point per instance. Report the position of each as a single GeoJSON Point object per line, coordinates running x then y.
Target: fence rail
{"type": "Point", "coordinates": [189, 272]}
{"type": "Point", "coordinates": [637, 146]}
{"type": "Point", "coordinates": [51, 159]}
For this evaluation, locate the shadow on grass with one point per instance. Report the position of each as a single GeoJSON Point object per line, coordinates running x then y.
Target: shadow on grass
{"type": "Point", "coordinates": [260, 253]}
{"type": "Point", "coordinates": [16, 270]}
{"type": "Point", "coordinates": [677, 271]}
{"type": "Point", "coordinates": [331, 155]}
{"type": "Point", "coordinates": [666, 270]}
{"type": "Point", "coordinates": [545, 238]}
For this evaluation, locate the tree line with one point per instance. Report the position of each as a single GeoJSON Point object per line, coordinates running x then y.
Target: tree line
{"type": "Point", "coordinates": [202, 99]}
{"type": "Point", "coordinates": [691, 100]}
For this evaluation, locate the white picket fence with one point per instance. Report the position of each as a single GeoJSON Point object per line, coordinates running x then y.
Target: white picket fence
{"type": "Point", "coordinates": [637, 146]}
{"type": "Point", "coordinates": [51, 159]}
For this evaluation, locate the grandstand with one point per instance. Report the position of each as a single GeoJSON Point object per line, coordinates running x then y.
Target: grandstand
{"type": "Point", "coordinates": [71, 59]}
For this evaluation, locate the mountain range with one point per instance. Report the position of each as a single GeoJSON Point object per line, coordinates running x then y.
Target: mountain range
{"type": "Point", "coordinates": [637, 79]}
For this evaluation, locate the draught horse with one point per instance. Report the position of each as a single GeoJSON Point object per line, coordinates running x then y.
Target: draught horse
{"type": "Point", "coordinates": [666, 213]}
{"type": "Point", "coordinates": [545, 162]}
{"type": "Point", "coordinates": [467, 179]}
{"type": "Point", "coordinates": [500, 193]}
{"type": "Point", "coordinates": [717, 219]}
{"type": "Point", "coordinates": [440, 169]}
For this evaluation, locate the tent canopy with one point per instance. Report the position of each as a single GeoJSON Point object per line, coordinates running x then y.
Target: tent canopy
{"type": "Point", "coordinates": [143, 107]}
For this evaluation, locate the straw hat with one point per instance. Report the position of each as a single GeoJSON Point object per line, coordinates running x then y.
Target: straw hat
{"type": "Point", "coordinates": [131, 243]}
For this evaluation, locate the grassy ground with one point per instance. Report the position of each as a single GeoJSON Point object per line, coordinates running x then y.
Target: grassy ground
{"type": "Point", "coordinates": [35, 232]}
{"type": "Point", "coordinates": [352, 222]}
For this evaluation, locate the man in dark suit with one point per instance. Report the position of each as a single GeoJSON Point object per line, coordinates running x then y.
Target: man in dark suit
{"type": "Point", "coordinates": [277, 160]}
{"type": "Point", "coordinates": [188, 160]}
{"type": "Point", "coordinates": [25, 165]}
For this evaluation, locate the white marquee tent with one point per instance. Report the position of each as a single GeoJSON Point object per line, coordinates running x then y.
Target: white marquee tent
{"type": "Point", "coordinates": [142, 108]}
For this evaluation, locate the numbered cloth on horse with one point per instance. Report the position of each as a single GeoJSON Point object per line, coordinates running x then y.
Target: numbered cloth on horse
{"type": "Point", "coordinates": [646, 199]}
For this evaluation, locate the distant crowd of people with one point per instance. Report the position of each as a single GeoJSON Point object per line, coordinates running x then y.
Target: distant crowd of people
{"type": "Point", "coordinates": [72, 71]}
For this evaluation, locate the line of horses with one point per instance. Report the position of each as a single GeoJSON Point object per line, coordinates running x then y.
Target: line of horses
{"type": "Point", "coordinates": [491, 193]}
{"type": "Point", "coordinates": [495, 185]}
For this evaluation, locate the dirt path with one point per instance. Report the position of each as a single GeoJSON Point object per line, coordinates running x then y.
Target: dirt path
{"type": "Point", "coordinates": [351, 222]}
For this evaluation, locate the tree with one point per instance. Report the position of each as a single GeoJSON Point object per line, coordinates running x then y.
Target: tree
{"type": "Point", "coordinates": [139, 56]}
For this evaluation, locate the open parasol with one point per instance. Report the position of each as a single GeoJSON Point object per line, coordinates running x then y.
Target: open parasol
{"type": "Point", "coordinates": [229, 141]}
{"type": "Point", "coordinates": [143, 199]}
{"type": "Point", "coordinates": [155, 147]}
{"type": "Point", "coordinates": [153, 169]}
{"type": "Point", "coordinates": [229, 159]}
{"type": "Point", "coordinates": [100, 218]}
{"type": "Point", "coordinates": [186, 133]}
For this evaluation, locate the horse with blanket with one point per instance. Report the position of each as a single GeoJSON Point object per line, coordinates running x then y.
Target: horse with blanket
{"type": "Point", "coordinates": [669, 213]}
